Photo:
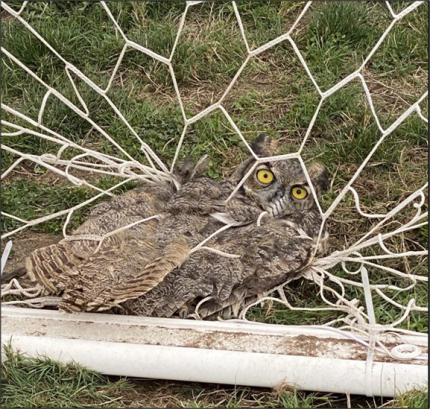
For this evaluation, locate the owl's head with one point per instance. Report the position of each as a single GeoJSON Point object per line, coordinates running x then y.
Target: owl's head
{"type": "Point", "coordinates": [280, 187]}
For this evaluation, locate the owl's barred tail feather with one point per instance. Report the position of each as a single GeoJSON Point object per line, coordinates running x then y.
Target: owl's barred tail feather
{"type": "Point", "coordinates": [48, 265]}
{"type": "Point", "coordinates": [83, 297]}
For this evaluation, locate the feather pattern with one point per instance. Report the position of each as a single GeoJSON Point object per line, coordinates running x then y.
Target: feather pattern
{"type": "Point", "coordinates": [154, 267]}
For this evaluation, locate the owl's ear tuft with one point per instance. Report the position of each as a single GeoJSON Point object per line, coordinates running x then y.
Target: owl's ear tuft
{"type": "Point", "coordinates": [264, 145]}
{"type": "Point", "coordinates": [260, 140]}
{"type": "Point", "coordinates": [319, 176]}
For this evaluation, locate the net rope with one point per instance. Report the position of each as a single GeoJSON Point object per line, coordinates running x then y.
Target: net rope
{"type": "Point", "coordinates": [356, 316]}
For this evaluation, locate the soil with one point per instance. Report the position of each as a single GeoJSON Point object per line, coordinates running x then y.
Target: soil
{"type": "Point", "coordinates": [23, 244]}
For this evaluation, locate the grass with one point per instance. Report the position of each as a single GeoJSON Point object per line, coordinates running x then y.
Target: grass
{"type": "Point", "coordinates": [273, 94]}
{"type": "Point", "coordinates": [36, 199]}
{"type": "Point", "coordinates": [44, 383]}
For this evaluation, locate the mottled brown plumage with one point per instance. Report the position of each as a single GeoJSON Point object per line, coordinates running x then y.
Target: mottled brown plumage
{"type": "Point", "coordinates": [152, 269]}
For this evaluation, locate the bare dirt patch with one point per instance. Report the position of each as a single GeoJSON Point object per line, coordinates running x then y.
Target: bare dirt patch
{"type": "Point", "coordinates": [24, 244]}
{"type": "Point", "coordinates": [5, 15]}
{"type": "Point", "coordinates": [393, 95]}
{"type": "Point", "coordinates": [197, 98]}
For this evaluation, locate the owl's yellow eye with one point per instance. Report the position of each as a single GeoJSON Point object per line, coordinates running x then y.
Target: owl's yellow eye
{"type": "Point", "coordinates": [299, 192]}
{"type": "Point", "coordinates": [265, 176]}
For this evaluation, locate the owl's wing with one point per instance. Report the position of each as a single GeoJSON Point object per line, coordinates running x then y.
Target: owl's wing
{"type": "Point", "coordinates": [120, 272]}
{"type": "Point", "coordinates": [195, 279]}
{"type": "Point", "coordinates": [266, 265]}
{"type": "Point", "coordinates": [144, 199]}
{"type": "Point", "coordinates": [268, 254]}
{"type": "Point", "coordinates": [50, 266]}
{"type": "Point", "coordinates": [199, 196]}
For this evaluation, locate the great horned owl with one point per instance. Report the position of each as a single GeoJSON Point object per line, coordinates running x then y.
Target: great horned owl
{"type": "Point", "coordinates": [155, 269]}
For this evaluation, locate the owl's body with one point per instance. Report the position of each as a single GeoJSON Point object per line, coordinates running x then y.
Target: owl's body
{"type": "Point", "coordinates": [159, 267]}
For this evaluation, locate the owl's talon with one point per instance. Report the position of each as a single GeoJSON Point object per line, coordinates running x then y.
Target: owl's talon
{"type": "Point", "coordinates": [183, 313]}
{"type": "Point", "coordinates": [225, 314]}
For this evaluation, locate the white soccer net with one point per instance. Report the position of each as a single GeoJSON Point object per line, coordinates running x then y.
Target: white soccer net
{"type": "Point", "coordinates": [338, 274]}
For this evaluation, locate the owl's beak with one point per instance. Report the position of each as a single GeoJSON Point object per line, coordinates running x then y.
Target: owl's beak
{"type": "Point", "coordinates": [278, 195]}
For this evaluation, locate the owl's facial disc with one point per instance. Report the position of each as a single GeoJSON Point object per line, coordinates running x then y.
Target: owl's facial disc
{"type": "Point", "coordinates": [279, 193]}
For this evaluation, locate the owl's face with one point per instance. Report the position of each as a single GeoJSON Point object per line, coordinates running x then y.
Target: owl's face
{"type": "Point", "coordinates": [280, 187]}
